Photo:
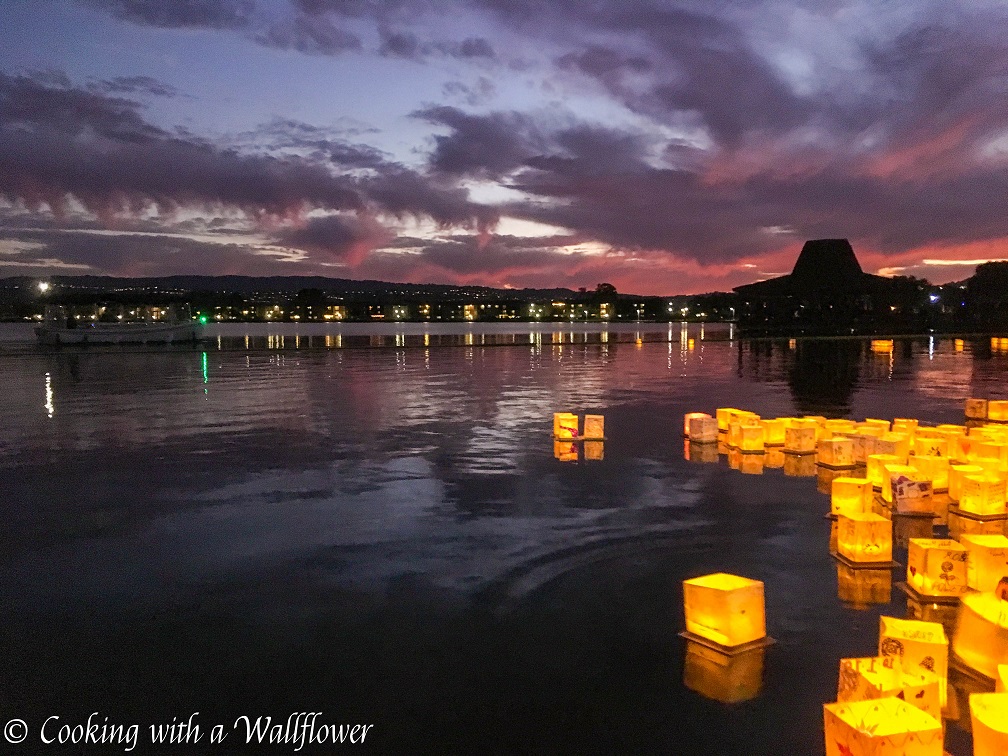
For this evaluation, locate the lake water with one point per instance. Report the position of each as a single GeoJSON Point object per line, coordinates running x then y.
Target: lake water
{"type": "Point", "coordinates": [371, 523]}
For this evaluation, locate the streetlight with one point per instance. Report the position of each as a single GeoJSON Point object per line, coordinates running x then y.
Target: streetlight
{"type": "Point", "coordinates": [43, 287]}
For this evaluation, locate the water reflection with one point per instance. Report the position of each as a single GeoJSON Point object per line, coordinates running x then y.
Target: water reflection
{"type": "Point", "coordinates": [723, 677]}
{"type": "Point", "coordinates": [860, 588]}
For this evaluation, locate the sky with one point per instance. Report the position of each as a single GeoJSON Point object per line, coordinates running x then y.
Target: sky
{"type": "Point", "coordinates": [664, 147]}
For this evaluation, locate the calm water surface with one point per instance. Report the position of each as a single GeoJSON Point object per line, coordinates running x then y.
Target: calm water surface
{"type": "Point", "coordinates": [371, 523]}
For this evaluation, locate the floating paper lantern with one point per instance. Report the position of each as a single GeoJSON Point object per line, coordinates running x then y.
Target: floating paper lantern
{"type": "Point", "coordinates": [703, 429]}
{"type": "Point", "coordinates": [773, 431]}
{"type": "Point", "coordinates": [981, 635]}
{"type": "Point", "coordinates": [961, 448]}
{"type": "Point", "coordinates": [1001, 683]}
{"type": "Point", "coordinates": [691, 416]}
{"type": "Point", "coordinates": [876, 677]}
{"type": "Point", "coordinates": [936, 567]}
{"type": "Point", "coordinates": [909, 491]}
{"type": "Point", "coordinates": [982, 495]}
{"type": "Point", "coordinates": [882, 426]}
{"type": "Point", "coordinates": [976, 409]}
{"type": "Point", "coordinates": [906, 425]}
{"type": "Point", "coordinates": [989, 449]}
{"type": "Point", "coordinates": [989, 717]}
{"type": "Point", "coordinates": [837, 426]}
{"type": "Point", "coordinates": [860, 587]}
{"type": "Point", "coordinates": [997, 410]}
{"type": "Point", "coordinates": [565, 425]}
{"type": "Point", "coordinates": [987, 560]}
{"type": "Point", "coordinates": [728, 415]}
{"type": "Point", "coordinates": [875, 468]}
{"type": "Point", "coordinates": [851, 495]}
{"type": "Point", "coordinates": [726, 609]}
{"type": "Point", "coordinates": [882, 346]}
{"type": "Point", "coordinates": [894, 443]}
{"type": "Point", "coordinates": [864, 537]}
{"type": "Point", "coordinates": [916, 644]}
{"type": "Point", "coordinates": [935, 468]}
{"type": "Point", "coordinates": [565, 451]}
{"type": "Point", "coordinates": [800, 439]}
{"type": "Point", "coordinates": [594, 451]}
{"type": "Point", "coordinates": [930, 446]}
{"type": "Point", "coordinates": [735, 428]}
{"type": "Point", "coordinates": [892, 471]}
{"type": "Point", "coordinates": [799, 465]}
{"type": "Point", "coordinates": [884, 727]}
{"type": "Point", "coordinates": [594, 427]}
{"type": "Point", "coordinates": [836, 452]}
{"type": "Point", "coordinates": [862, 444]}
{"type": "Point", "coordinates": [751, 438]}
{"type": "Point", "coordinates": [959, 344]}
{"type": "Point", "coordinates": [728, 678]}
{"type": "Point", "coordinates": [959, 525]}
{"type": "Point", "coordinates": [956, 474]}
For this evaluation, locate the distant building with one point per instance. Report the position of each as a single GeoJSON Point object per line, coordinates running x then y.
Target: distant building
{"type": "Point", "coordinates": [827, 292]}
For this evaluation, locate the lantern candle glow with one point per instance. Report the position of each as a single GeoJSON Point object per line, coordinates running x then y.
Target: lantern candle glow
{"type": "Point", "coordinates": [800, 439]}
{"type": "Point", "coordinates": [883, 727]}
{"type": "Point", "coordinates": [913, 644]}
{"type": "Point", "coordinates": [851, 495]}
{"type": "Point", "coordinates": [726, 609]}
{"type": "Point", "coordinates": [989, 717]}
{"type": "Point", "coordinates": [690, 416]}
{"type": "Point", "coordinates": [986, 560]}
{"type": "Point", "coordinates": [565, 425]}
{"type": "Point", "coordinates": [836, 452]}
{"type": "Point", "coordinates": [981, 634]}
{"type": "Point", "coordinates": [864, 537]}
{"type": "Point", "coordinates": [936, 567]}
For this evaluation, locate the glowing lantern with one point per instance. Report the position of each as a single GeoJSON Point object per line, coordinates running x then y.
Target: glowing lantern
{"type": "Point", "coordinates": [987, 560]}
{"type": "Point", "coordinates": [695, 451]}
{"type": "Point", "coordinates": [880, 677]}
{"type": "Point", "coordinates": [773, 432]}
{"type": "Point", "coordinates": [864, 537]}
{"type": "Point", "coordinates": [851, 495]}
{"type": "Point", "coordinates": [751, 438]}
{"type": "Point", "coordinates": [728, 678]}
{"type": "Point", "coordinates": [882, 346]}
{"type": "Point", "coordinates": [959, 344]}
{"type": "Point", "coordinates": [735, 431]}
{"type": "Point", "coordinates": [930, 446]}
{"type": "Point", "coordinates": [862, 587]}
{"type": "Point", "coordinates": [726, 609]}
{"type": "Point", "coordinates": [836, 452]}
{"type": "Point", "coordinates": [883, 727]}
{"type": "Point", "coordinates": [565, 425]}
{"type": "Point", "coordinates": [908, 490]}
{"type": "Point", "coordinates": [1001, 683]}
{"type": "Point", "coordinates": [982, 495]}
{"type": "Point", "coordinates": [904, 425]}
{"type": "Point", "coordinates": [728, 415]}
{"type": "Point", "coordinates": [693, 415]}
{"type": "Point", "coordinates": [875, 471]}
{"type": "Point", "coordinates": [905, 528]}
{"type": "Point", "coordinates": [839, 425]}
{"type": "Point", "coordinates": [594, 427]}
{"type": "Point", "coordinates": [961, 448]}
{"type": "Point", "coordinates": [976, 409]}
{"type": "Point", "coordinates": [565, 451]}
{"type": "Point", "coordinates": [916, 644]}
{"type": "Point", "coordinates": [935, 468]}
{"type": "Point", "coordinates": [882, 426]}
{"type": "Point", "coordinates": [936, 567]}
{"type": "Point", "coordinates": [958, 526]}
{"type": "Point", "coordinates": [704, 429]}
{"type": "Point", "coordinates": [862, 444]}
{"type": "Point", "coordinates": [989, 716]}
{"type": "Point", "coordinates": [990, 449]}
{"type": "Point", "coordinates": [981, 635]}
{"type": "Point", "coordinates": [594, 451]}
{"type": "Point", "coordinates": [800, 439]}
{"type": "Point", "coordinates": [997, 410]}
{"type": "Point", "coordinates": [799, 465]}
{"type": "Point", "coordinates": [894, 443]}
{"type": "Point", "coordinates": [956, 474]}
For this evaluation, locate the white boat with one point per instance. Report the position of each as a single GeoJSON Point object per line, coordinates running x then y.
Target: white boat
{"type": "Point", "coordinates": [59, 327]}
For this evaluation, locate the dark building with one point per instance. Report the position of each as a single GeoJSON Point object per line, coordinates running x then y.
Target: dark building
{"type": "Point", "coordinates": [829, 293]}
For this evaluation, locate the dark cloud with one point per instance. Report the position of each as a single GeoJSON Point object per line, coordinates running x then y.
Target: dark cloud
{"type": "Point", "coordinates": [312, 35]}
{"type": "Point", "coordinates": [178, 14]}
{"type": "Point", "coordinates": [131, 85]}
{"type": "Point", "coordinates": [480, 91]}
{"type": "Point", "coordinates": [337, 238]}
{"type": "Point", "coordinates": [488, 145]}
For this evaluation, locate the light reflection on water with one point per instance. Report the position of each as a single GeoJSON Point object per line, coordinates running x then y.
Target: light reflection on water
{"type": "Point", "coordinates": [139, 480]}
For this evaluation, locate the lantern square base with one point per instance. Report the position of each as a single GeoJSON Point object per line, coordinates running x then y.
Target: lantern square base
{"type": "Point", "coordinates": [962, 669]}
{"type": "Point", "coordinates": [954, 509]}
{"type": "Point", "coordinates": [851, 466]}
{"type": "Point", "coordinates": [800, 452]}
{"type": "Point", "coordinates": [728, 650]}
{"type": "Point", "coordinates": [910, 591]}
{"type": "Point", "coordinates": [864, 565]}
